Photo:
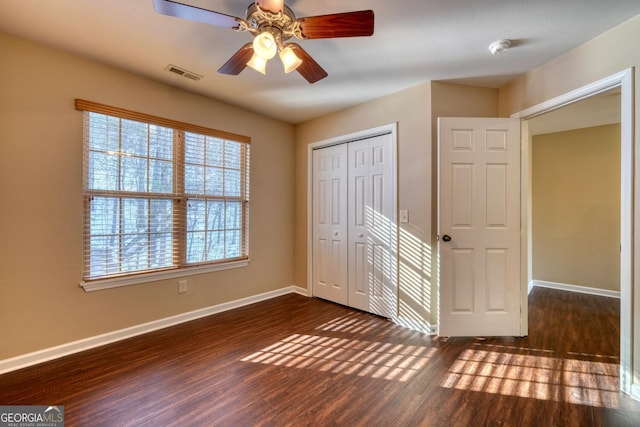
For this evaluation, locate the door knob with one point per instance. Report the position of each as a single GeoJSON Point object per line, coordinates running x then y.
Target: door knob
{"type": "Point", "coordinates": [446, 238]}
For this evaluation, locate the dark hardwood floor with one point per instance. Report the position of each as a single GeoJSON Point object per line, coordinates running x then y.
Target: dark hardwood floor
{"type": "Point", "coordinates": [297, 361]}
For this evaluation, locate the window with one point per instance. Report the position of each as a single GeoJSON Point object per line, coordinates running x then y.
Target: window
{"type": "Point", "coordinates": [160, 195]}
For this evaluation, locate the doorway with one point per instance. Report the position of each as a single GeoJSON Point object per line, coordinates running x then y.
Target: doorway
{"type": "Point", "coordinates": [576, 196]}
{"type": "Point", "coordinates": [623, 81]}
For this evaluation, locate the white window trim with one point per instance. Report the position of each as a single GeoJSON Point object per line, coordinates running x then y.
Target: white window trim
{"type": "Point", "coordinates": [155, 276]}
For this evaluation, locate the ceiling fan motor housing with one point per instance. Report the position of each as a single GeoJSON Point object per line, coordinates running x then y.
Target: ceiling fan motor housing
{"type": "Point", "coordinates": [281, 25]}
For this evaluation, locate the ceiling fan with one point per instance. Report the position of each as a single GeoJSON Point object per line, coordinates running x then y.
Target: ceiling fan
{"type": "Point", "coordinates": [273, 24]}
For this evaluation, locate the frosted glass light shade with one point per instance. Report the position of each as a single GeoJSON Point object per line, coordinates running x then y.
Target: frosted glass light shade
{"type": "Point", "coordinates": [258, 63]}
{"type": "Point", "coordinates": [264, 45]}
{"type": "Point", "coordinates": [289, 59]}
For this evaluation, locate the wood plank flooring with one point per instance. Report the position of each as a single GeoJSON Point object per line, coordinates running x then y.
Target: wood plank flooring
{"type": "Point", "coordinates": [297, 361]}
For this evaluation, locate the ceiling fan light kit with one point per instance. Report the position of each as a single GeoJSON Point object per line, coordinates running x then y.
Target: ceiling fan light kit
{"type": "Point", "coordinates": [258, 63]}
{"type": "Point", "coordinates": [264, 45]}
{"type": "Point", "coordinates": [289, 59]}
{"type": "Point", "coordinates": [273, 24]}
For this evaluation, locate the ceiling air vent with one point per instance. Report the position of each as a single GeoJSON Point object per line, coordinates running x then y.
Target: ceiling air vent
{"type": "Point", "coordinates": [182, 72]}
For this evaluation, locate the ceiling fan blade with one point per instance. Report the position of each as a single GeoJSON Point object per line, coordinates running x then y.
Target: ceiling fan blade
{"type": "Point", "coordinates": [238, 61]}
{"type": "Point", "coordinates": [309, 69]}
{"type": "Point", "coordinates": [348, 24]}
{"type": "Point", "coordinates": [193, 13]}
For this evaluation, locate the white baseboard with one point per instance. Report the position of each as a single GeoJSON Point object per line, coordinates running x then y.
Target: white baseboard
{"type": "Point", "coordinates": [300, 291]}
{"type": "Point", "coordinates": [40, 356]}
{"type": "Point", "coordinates": [574, 288]}
{"type": "Point", "coordinates": [415, 325]}
{"type": "Point", "coordinates": [635, 392]}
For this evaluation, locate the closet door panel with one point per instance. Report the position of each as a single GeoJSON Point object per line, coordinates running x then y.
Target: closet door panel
{"type": "Point", "coordinates": [372, 201]}
{"type": "Point", "coordinates": [330, 270]}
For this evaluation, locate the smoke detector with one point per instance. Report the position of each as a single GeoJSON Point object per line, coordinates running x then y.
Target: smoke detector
{"type": "Point", "coordinates": [499, 47]}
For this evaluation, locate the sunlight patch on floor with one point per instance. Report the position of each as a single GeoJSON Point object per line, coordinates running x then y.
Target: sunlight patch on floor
{"type": "Point", "coordinates": [351, 323]}
{"type": "Point", "coordinates": [397, 362]}
{"type": "Point", "coordinates": [538, 376]}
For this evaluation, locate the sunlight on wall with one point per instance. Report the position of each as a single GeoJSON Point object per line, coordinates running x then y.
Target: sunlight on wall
{"type": "Point", "coordinates": [375, 272]}
{"type": "Point", "coordinates": [392, 284]}
{"type": "Point", "coordinates": [496, 370]}
{"type": "Point", "coordinates": [415, 269]}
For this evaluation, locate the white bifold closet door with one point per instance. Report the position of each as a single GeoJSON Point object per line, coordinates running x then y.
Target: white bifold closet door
{"type": "Point", "coordinates": [354, 224]}
{"type": "Point", "coordinates": [330, 275]}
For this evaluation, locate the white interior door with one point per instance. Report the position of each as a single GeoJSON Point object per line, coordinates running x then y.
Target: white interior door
{"type": "Point", "coordinates": [479, 227]}
{"type": "Point", "coordinates": [372, 225]}
{"type": "Point", "coordinates": [329, 275]}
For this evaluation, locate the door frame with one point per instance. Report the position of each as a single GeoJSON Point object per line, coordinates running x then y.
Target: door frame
{"type": "Point", "coordinates": [392, 129]}
{"type": "Point", "coordinates": [624, 81]}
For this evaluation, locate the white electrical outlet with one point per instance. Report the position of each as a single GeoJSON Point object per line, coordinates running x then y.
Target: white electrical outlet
{"type": "Point", "coordinates": [182, 287]}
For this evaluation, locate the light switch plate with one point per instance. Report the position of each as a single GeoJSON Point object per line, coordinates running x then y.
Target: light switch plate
{"type": "Point", "coordinates": [404, 216]}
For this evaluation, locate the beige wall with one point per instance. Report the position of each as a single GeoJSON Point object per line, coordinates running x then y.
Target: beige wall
{"type": "Point", "coordinates": [603, 56]}
{"type": "Point", "coordinates": [415, 111]}
{"type": "Point", "coordinates": [41, 303]}
{"type": "Point", "coordinates": [576, 207]}
{"type": "Point", "coordinates": [410, 109]}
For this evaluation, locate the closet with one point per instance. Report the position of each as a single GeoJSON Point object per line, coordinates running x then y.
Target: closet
{"type": "Point", "coordinates": [354, 230]}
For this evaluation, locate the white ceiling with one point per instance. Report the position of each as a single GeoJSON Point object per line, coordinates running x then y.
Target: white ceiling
{"type": "Point", "coordinates": [414, 41]}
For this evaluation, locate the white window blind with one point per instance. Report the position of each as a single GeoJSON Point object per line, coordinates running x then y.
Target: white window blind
{"type": "Point", "coordinates": [159, 194]}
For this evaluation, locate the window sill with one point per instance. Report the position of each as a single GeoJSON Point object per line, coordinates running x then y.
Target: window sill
{"type": "Point", "coordinates": [116, 282]}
